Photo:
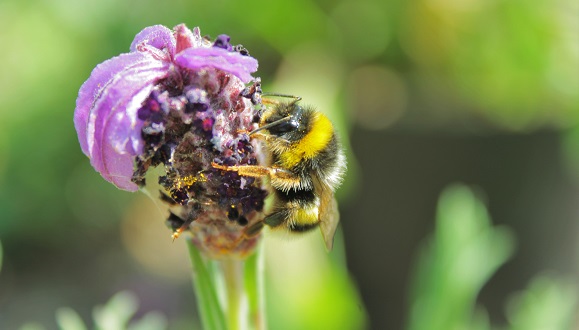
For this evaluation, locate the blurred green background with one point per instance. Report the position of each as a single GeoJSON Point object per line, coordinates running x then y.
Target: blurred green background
{"type": "Point", "coordinates": [427, 92]}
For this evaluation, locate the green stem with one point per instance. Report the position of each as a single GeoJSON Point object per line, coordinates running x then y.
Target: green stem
{"type": "Point", "coordinates": [254, 286]}
{"type": "Point", "coordinates": [240, 286]}
{"type": "Point", "coordinates": [209, 309]}
{"type": "Point", "coordinates": [236, 299]}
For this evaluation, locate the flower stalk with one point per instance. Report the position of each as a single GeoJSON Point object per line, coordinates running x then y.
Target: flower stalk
{"type": "Point", "coordinates": [210, 312]}
{"type": "Point", "coordinates": [254, 278]}
{"type": "Point", "coordinates": [231, 294]}
{"type": "Point", "coordinates": [235, 296]}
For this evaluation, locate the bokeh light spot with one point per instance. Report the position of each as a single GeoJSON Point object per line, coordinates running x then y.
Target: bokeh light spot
{"type": "Point", "coordinates": [378, 96]}
{"type": "Point", "coordinates": [364, 27]}
{"type": "Point", "coordinates": [148, 241]}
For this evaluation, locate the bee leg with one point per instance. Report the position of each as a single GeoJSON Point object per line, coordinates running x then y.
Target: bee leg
{"type": "Point", "coordinates": [275, 219]}
{"type": "Point", "coordinates": [248, 233]}
{"type": "Point", "coordinates": [256, 135]}
{"type": "Point", "coordinates": [245, 170]}
{"type": "Point", "coordinates": [278, 176]}
{"type": "Point", "coordinates": [178, 225]}
{"type": "Point", "coordinates": [260, 136]}
{"type": "Point", "coordinates": [253, 230]}
{"type": "Point", "coordinates": [179, 230]}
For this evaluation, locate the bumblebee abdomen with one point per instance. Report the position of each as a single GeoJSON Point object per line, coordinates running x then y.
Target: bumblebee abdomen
{"type": "Point", "coordinates": [296, 209]}
{"type": "Point", "coordinates": [304, 219]}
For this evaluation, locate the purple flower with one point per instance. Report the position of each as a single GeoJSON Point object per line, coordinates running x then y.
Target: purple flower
{"type": "Point", "coordinates": [105, 118]}
{"type": "Point", "coordinates": [176, 103]}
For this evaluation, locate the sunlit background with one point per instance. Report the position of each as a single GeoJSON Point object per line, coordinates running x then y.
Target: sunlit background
{"type": "Point", "coordinates": [426, 93]}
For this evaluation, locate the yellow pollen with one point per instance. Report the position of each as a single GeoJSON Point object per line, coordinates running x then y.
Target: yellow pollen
{"type": "Point", "coordinates": [190, 180]}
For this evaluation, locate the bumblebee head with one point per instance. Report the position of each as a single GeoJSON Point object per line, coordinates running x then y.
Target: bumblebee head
{"type": "Point", "coordinates": [286, 120]}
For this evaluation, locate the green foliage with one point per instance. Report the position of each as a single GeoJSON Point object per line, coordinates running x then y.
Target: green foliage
{"type": "Point", "coordinates": [68, 319]}
{"type": "Point", "coordinates": [323, 295]}
{"type": "Point", "coordinates": [464, 253]}
{"type": "Point", "coordinates": [116, 314]}
{"type": "Point", "coordinates": [308, 288]}
{"type": "Point", "coordinates": [548, 303]}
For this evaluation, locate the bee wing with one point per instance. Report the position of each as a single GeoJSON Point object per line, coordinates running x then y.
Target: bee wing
{"type": "Point", "coordinates": [329, 217]}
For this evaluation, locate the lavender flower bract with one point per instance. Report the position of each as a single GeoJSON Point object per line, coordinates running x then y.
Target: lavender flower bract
{"type": "Point", "coordinates": [178, 102]}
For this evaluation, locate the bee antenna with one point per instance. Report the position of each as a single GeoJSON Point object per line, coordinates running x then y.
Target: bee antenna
{"type": "Point", "coordinates": [296, 98]}
{"type": "Point", "coordinates": [275, 123]}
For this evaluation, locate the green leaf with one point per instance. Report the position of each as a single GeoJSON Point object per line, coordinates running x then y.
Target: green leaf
{"type": "Point", "coordinates": [151, 321]}
{"type": "Point", "coordinates": [32, 326]}
{"type": "Point", "coordinates": [548, 303]}
{"type": "Point", "coordinates": [307, 288]}
{"type": "Point", "coordinates": [465, 252]}
{"type": "Point", "coordinates": [68, 319]}
{"type": "Point", "coordinates": [117, 312]}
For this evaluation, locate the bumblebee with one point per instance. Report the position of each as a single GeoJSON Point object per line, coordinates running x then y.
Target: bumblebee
{"type": "Point", "coordinates": [306, 164]}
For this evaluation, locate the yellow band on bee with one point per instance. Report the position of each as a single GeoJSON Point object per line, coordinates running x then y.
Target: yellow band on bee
{"type": "Point", "coordinates": [320, 134]}
{"type": "Point", "coordinates": [306, 216]}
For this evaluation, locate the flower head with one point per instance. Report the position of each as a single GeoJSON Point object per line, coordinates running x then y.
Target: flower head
{"type": "Point", "coordinates": [177, 102]}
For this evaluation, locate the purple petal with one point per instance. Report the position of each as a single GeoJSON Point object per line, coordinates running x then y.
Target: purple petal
{"type": "Point", "coordinates": [219, 58]}
{"type": "Point", "coordinates": [187, 38]}
{"type": "Point", "coordinates": [92, 89]}
{"type": "Point", "coordinates": [157, 36]}
{"type": "Point", "coordinates": [113, 121]}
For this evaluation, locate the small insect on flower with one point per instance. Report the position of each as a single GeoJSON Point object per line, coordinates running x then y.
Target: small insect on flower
{"type": "Point", "coordinates": [181, 117]}
{"type": "Point", "coordinates": [306, 164]}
